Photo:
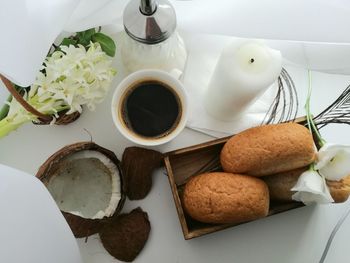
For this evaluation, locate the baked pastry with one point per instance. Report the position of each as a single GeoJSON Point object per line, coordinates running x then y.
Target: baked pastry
{"type": "Point", "coordinates": [340, 190]}
{"type": "Point", "coordinates": [280, 184]}
{"type": "Point", "coordinates": [225, 198]}
{"type": "Point", "coordinates": [268, 149]}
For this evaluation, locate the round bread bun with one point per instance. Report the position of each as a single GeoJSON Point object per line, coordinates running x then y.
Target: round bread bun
{"type": "Point", "coordinates": [340, 190]}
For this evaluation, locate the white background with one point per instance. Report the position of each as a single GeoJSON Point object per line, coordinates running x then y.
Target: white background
{"type": "Point", "coordinates": [295, 236]}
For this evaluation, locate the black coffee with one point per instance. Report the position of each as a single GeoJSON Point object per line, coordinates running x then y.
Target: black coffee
{"type": "Point", "coordinates": [151, 109]}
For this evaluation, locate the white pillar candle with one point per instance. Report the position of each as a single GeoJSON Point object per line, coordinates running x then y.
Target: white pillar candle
{"type": "Point", "coordinates": [242, 74]}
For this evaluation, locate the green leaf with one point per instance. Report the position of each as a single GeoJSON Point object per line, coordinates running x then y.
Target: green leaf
{"type": "Point", "coordinates": [107, 43]}
{"type": "Point", "coordinates": [5, 109]}
{"type": "Point", "coordinates": [68, 41]}
{"type": "Point", "coordinates": [21, 90]}
{"type": "Point", "coordinates": [84, 37]}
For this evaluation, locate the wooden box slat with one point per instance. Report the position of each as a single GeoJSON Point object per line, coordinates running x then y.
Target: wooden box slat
{"type": "Point", "coordinates": [187, 162]}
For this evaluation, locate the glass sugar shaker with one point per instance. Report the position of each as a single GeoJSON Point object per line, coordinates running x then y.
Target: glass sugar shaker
{"type": "Point", "coordinates": [150, 40]}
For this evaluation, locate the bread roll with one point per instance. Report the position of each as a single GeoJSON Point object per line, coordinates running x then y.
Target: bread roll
{"type": "Point", "coordinates": [225, 198]}
{"type": "Point", "coordinates": [340, 190]}
{"type": "Point", "coordinates": [268, 149]}
{"type": "Point", "coordinates": [280, 184]}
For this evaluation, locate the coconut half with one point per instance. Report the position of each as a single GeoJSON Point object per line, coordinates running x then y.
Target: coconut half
{"type": "Point", "coordinates": [85, 181]}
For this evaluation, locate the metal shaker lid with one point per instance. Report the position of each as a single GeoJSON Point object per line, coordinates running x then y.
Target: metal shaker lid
{"type": "Point", "coordinates": [149, 21]}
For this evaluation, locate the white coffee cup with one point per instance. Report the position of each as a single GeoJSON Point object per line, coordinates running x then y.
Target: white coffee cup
{"type": "Point", "coordinates": [129, 83]}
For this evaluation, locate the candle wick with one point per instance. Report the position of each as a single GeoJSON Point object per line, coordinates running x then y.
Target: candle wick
{"type": "Point", "coordinates": [252, 60]}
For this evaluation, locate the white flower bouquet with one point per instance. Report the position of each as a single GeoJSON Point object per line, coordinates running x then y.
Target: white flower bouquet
{"type": "Point", "coordinates": [77, 72]}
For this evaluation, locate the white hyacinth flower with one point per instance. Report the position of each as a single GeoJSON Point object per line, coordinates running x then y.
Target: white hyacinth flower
{"type": "Point", "coordinates": [70, 78]}
{"type": "Point", "coordinates": [76, 77]}
{"type": "Point", "coordinates": [311, 188]}
{"type": "Point", "coordinates": [333, 161]}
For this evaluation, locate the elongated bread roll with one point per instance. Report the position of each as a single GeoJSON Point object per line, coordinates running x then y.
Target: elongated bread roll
{"type": "Point", "coordinates": [225, 198]}
{"type": "Point", "coordinates": [268, 149]}
{"type": "Point", "coordinates": [280, 185]}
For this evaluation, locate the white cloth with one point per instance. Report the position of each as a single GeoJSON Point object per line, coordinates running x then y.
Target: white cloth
{"type": "Point", "coordinates": [30, 27]}
{"type": "Point", "coordinates": [312, 20]}
{"type": "Point", "coordinates": [295, 20]}
{"type": "Point", "coordinates": [33, 228]}
{"type": "Point", "coordinates": [92, 13]}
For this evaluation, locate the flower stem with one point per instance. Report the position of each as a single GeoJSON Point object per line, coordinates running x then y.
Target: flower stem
{"type": "Point", "coordinates": [7, 126]}
{"type": "Point", "coordinates": [310, 122]}
{"type": "Point", "coordinates": [312, 167]}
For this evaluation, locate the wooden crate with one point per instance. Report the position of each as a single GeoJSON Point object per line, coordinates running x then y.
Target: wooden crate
{"type": "Point", "coordinates": [187, 162]}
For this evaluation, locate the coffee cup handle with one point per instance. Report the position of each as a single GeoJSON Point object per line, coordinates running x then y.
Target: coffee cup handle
{"type": "Point", "coordinates": [176, 73]}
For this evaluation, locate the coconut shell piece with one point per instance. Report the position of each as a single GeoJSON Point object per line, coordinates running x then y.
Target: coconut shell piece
{"type": "Point", "coordinates": [125, 236]}
{"type": "Point", "coordinates": [137, 166]}
{"type": "Point", "coordinates": [81, 227]}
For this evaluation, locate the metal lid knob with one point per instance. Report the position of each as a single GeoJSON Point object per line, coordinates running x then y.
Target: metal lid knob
{"type": "Point", "coordinates": [149, 21]}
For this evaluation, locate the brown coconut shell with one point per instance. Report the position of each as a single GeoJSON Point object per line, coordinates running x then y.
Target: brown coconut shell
{"type": "Point", "coordinates": [137, 166]}
{"type": "Point", "coordinates": [125, 236]}
{"type": "Point", "coordinates": [81, 227]}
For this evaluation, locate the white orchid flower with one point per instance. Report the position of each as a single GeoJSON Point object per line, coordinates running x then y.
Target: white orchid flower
{"type": "Point", "coordinates": [311, 188]}
{"type": "Point", "coordinates": [333, 161]}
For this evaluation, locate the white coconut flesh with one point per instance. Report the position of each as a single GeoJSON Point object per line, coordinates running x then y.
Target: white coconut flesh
{"type": "Point", "coordinates": [86, 184]}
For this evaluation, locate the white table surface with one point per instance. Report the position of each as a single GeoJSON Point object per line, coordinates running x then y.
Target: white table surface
{"type": "Point", "coordinates": [295, 236]}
